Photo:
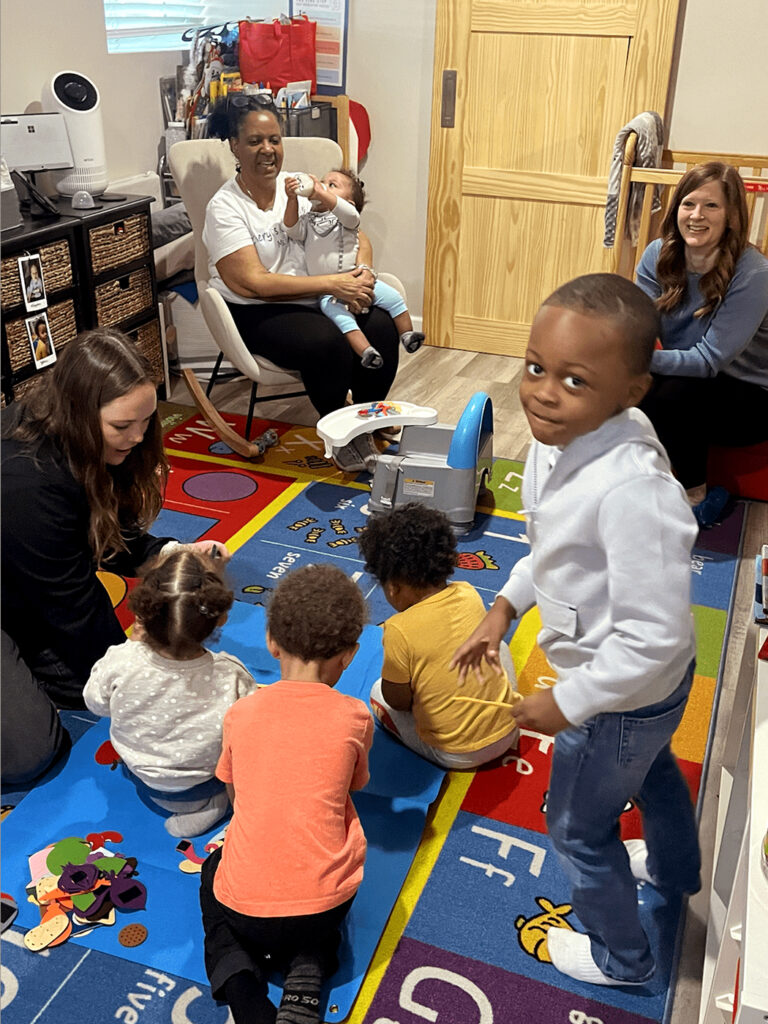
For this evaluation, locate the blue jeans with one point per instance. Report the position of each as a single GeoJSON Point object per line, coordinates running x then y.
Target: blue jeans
{"type": "Point", "coordinates": [596, 768]}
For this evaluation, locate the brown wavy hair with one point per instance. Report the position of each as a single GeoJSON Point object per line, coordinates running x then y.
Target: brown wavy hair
{"type": "Point", "coordinates": [670, 267]}
{"type": "Point", "coordinates": [91, 371]}
{"type": "Point", "coordinates": [180, 600]}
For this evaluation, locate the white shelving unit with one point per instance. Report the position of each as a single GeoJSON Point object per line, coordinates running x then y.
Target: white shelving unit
{"type": "Point", "coordinates": [737, 932]}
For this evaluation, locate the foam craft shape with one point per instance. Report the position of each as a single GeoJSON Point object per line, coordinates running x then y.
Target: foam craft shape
{"type": "Point", "coordinates": [53, 925]}
{"type": "Point", "coordinates": [83, 900]}
{"type": "Point", "coordinates": [71, 850]}
{"type": "Point", "coordinates": [343, 425]}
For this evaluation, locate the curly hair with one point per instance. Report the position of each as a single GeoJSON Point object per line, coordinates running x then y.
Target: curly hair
{"type": "Point", "coordinates": [671, 268]}
{"type": "Point", "coordinates": [356, 185]}
{"type": "Point", "coordinates": [316, 612]}
{"type": "Point", "coordinates": [179, 600]}
{"type": "Point", "coordinates": [412, 544]}
{"type": "Point", "coordinates": [90, 372]}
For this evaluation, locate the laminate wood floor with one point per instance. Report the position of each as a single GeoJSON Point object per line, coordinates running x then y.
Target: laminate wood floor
{"type": "Point", "coordinates": [446, 379]}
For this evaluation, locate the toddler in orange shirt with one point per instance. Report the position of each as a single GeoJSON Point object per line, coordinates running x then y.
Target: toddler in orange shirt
{"type": "Point", "coordinates": [274, 896]}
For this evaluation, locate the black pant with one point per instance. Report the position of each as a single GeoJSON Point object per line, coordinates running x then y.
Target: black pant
{"type": "Point", "coordinates": [304, 339]}
{"type": "Point", "coordinates": [32, 735]}
{"type": "Point", "coordinates": [691, 414]}
{"type": "Point", "coordinates": [236, 943]}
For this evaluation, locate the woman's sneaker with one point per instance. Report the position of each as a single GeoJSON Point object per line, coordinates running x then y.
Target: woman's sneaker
{"type": "Point", "coordinates": [358, 456]}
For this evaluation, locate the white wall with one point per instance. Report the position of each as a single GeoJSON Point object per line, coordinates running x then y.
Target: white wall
{"type": "Point", "coordinates": [720, 103]}
{"type": "Point", "coordinates": [389, 71]}
{"type": "Point", "coordinates": [69, 35]}
{"type": "Point", "coordinates": [720, 100]}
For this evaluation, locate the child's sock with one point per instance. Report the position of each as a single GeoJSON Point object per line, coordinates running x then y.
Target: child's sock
{"type": "Point", "coordinates": [192, 820]}
{"type": "Point", "coordinates": [411, 340]}
{"type": "Point", "coordinates": [638, 860]}
{"type": "Point", "coordinates": [300, 1003]}
{"type": "Point", "coordinates": [371, 359]}
{"type": "Point", "coordinates": [571, 954]}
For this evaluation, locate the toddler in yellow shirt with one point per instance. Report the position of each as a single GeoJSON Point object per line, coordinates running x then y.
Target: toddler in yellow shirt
{"type": "Point", "coordinates": [412, 553]}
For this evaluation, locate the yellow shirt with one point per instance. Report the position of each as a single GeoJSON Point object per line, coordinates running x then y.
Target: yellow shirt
{"type": "Point", "coordinates": [418, 646]}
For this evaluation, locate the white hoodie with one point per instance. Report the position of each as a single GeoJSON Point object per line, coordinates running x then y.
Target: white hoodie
{"type": "Point", "coordinates": [611, 533]}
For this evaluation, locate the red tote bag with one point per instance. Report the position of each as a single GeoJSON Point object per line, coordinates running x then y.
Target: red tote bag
{"type": "Point", "coordinates": [278, 53]}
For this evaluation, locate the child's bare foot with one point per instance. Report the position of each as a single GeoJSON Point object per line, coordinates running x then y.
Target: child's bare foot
{"type": "Point", "coordinates": [371, 359]}
{"type": "Point", "coordinates": [411, 340]}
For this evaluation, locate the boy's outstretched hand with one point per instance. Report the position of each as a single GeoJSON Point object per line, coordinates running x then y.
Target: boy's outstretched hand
{"type": "Point", "coordinates": [483, 644]}
{"type": "Point", "coordinates": [540, 712]}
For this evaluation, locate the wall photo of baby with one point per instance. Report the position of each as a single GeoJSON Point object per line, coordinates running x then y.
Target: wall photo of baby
{"type": "Point", "coordinates": [40, 340]}
{"type": "Point", "coordinates": [32, 284]}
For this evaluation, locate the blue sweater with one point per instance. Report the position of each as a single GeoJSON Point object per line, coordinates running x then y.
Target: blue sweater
{"type": "Point", "coordinates": [732, 340]}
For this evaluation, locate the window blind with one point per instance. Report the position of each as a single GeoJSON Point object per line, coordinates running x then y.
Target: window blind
{"type": "Point", "coordinates": [144, 26]}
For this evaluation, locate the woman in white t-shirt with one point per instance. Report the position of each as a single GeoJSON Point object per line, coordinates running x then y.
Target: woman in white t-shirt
{"type": "Point", "coordinates": [262, 275]}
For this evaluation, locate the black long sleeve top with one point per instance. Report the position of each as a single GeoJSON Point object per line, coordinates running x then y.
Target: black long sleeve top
{"type": "Point", "coordinates": [51, 597]}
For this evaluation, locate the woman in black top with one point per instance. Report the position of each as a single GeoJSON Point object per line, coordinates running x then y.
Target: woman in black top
{"type": "Point", "coordinates": [83, 474]}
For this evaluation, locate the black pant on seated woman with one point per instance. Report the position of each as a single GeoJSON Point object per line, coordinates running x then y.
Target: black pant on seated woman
{"type": "Point", "coordinates": [302, 338]}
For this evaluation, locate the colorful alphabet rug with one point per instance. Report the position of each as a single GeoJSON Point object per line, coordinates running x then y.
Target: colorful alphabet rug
{"type": "Point", "coordinates": [461, 881]}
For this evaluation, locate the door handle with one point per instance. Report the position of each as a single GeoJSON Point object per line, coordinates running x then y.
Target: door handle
{"type": "Point", "coordinates": [448, 104]}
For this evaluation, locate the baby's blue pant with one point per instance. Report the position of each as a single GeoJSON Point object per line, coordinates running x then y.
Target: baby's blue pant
{"type": "Point", "coordinates": [383, 295]}
{"type": "Point", "coordinates": [596, 768]}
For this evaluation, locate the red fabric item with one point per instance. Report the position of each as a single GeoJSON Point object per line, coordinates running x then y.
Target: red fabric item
{"type": "Point", "coordinates": [277, 53]}
{"type": "Point", "coordinates": [742, 471]}
{"type": "Point", "coordinates": [358, 115]}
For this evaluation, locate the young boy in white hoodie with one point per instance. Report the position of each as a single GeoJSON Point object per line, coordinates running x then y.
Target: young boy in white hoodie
{"type": "Point", "coordinates": [611, 533]}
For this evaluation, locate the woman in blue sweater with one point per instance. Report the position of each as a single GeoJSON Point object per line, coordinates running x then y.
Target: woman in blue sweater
{"type": "Point", "coordinates": [711, 287]}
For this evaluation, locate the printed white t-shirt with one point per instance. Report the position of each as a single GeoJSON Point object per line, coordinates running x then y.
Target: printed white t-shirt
{"type": "Point", "coordinates": [234, 221]}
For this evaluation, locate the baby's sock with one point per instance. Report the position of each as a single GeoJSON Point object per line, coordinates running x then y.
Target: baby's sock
{"type": "Point", "coordinates": [301, 993]}
{"type": "Point", "coordinates": [194, 819]}
{"type": "Point", "coordinates": [371, 359]}
{"type": "Point", "coordinates": [411, 340]}
{"type": "Point", "coordinates": [638, 860]}
{"type": "Point", "coordinates": [571, 954]}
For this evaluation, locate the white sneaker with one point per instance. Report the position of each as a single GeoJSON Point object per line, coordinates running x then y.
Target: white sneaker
{"type": "Point", "coordinates": [638, 860]}
{"type": "Point", "coordinates": [571, 953]}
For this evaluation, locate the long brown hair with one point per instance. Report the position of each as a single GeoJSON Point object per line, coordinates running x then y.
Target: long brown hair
{"type": "Point", "coordinates": [670, 267]}
{"type": "Point", "coordinates": [91, 371]}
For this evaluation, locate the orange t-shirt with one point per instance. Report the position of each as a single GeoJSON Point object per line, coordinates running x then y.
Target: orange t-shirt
{"type": "Point", "coordinates": [293, 751]}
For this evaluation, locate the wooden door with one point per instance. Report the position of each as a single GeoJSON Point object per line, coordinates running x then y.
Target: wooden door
{"type": "Point", "coordinates": [518, 184]}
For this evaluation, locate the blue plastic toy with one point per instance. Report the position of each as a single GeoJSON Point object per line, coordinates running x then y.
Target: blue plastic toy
{"type": "Point", "coordinates": [439, 465]}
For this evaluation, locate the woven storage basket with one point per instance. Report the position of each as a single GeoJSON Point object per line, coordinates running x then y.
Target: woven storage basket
{"type": "Point", "coordinates": [56, 261]}
{"type": "Point", "coordinates": [123, 297]}
{"type": "Point", "coordinates": [149, 343]}
{"type": "Point", "coordinates": [25, 386]}
{"type": "Point", "coordinates": [120, 242]}
{"type": "Point", "coordinates": [63, 324]}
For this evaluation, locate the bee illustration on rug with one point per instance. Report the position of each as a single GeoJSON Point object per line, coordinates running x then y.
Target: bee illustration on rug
{"type": "Point", "coordinates": [532, 931]}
